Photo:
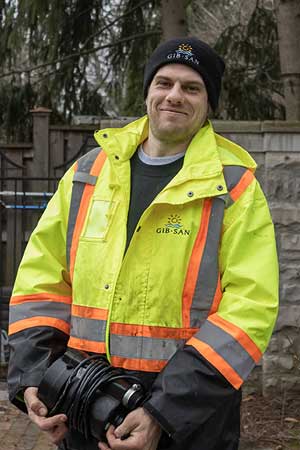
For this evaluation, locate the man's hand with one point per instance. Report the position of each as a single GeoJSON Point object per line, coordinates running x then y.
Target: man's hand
{"type": "Point", "coordinates": [139, 431]}
{"type": "Point", "coordinates": [54, 426]}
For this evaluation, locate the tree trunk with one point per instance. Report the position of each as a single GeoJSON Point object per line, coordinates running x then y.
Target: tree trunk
{"type": "Point", "coordinates": [288, 24]}
{"type": "Point", "coordinates": [173, 19]}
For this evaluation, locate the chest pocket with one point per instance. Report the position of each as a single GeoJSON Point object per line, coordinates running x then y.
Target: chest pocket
{"type": "Point", "coordinates": [99, 219]}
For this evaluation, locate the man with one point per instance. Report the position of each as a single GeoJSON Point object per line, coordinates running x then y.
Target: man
{"type": "Point", "coordinates": [162, 256]}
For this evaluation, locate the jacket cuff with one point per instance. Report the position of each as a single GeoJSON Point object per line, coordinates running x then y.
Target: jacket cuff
{"type": "Point", "coordinates": [17, 388]}
{"type": "Point", "coordinates": [18, 400]}
{"type": "Point", "coordinates": [163, 423]}
{"type": "Point", "coordinates": [167, 430]}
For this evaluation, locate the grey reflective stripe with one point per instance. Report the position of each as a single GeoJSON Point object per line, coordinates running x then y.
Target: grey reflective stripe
{"type": "Point", "coordinates": [89, 329]}
{"type": "Point", "coordinates": [85, 164]}
{"type": "Point", "coordinates": [86, 178]}
{"type": "Point", "coordinates": [232, 175]}
{"type": "Point", "coordinates": [141, 347]}
{"type": "Point", "coordinates": [227, 347]}
{"type": "Point", "coordinates": [226, 199]}
{"type": "Point", "coordinates": [77, 192]}
{"type": "Point", "coordinates": [207, 279]}
{"type": "Point", "coordinates": [45, 309]}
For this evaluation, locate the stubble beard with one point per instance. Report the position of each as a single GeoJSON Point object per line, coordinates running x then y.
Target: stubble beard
{"type": "Point", "coordinates": [171, 134]}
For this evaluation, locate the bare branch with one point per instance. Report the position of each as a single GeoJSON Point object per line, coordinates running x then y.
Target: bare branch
{"type": "Point", "coordinates": [80, 53]}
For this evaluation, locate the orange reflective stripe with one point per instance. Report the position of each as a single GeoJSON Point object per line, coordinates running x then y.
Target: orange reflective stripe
{"type": "Point", "coordinates": [98, 164]}
{"type": "Point", "coordinates": [145, 365]}
{"type": "Point", "coordinates": [18, 299]}
{"type": "Point", "coordinates": [84, 204]}
{"type": "Point", "coordinates": [194, 264]}
{"type": "Point", "coordinates": [217, 361]}
{"type": "Point", "coordinates": [86, 345]}
{"type": "Point", "coordinates": [217, 297]}
{"type": "Point", "coordinates": [239, 335]}
{"type": "Point", "coordinates": [151, 331]}
{"type": "Point", "coordinates": [39, 321]}
{"type": "Point", "coordinates": [89, 313]}
{"type": "Point", "coordinates": [242, 185]}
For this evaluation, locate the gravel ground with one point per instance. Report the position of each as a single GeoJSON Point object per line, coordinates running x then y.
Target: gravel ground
{"type": "Point", "coordinates": [272, 423]}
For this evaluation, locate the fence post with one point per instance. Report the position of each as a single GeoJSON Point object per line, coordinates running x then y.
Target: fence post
{"type": "Point", "coordinates": [38, 166]}
{"type": "Point", "coordinates": [40, 163]}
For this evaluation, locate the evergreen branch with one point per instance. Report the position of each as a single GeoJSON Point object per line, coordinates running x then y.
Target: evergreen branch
{"type": "Point", "coordinates": [80, 53]}
{"type": "Point", "coordinates": [45, 77]}
{"type": "Point", "coordinates": [109, 25]}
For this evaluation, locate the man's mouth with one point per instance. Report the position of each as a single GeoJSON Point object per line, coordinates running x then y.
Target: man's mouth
{"type": "Point", "coordinates": [173, 111]}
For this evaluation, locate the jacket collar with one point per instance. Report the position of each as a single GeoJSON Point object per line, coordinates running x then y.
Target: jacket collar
{"type": "Point", "coordinates": [203, 159]}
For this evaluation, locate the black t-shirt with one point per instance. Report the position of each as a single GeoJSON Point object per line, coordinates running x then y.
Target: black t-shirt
{"type": "Point", "coordinates": [146, 182]}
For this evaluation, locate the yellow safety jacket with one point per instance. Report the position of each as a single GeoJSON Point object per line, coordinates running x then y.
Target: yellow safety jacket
{"type": "Point", "coordinates": [200, 270]}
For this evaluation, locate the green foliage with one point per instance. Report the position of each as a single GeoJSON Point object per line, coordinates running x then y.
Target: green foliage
{"type": "Point", "coordinates": [252, 86]}
{"type": "Point", "coordinates": [87, 57]}
{"type": "Point", "coordinates": [51, 48]}
{"type": "Point", "coordinates": [34, 33]}
{"type": "Point", "coordinates": [128, 59]}
{"type": "Point", "coordinates": [15, 105]}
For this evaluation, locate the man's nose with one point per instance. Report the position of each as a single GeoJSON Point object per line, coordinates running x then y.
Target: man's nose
{"type": "Point", "coordinates": [175, 94]}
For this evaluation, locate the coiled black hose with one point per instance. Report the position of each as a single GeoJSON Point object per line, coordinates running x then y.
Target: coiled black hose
{"type": "Point", "coordinates": [77, 387]}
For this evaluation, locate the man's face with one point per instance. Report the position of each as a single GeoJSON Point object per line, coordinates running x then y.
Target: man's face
{"type": "Point", "coordinates": [177, 103]}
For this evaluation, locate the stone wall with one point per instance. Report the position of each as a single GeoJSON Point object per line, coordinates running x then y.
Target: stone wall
{"type": "Point", "coordinates": [276, 148]}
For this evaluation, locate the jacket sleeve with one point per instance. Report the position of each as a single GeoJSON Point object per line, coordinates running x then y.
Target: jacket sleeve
{"type": "Point", "coordinates": [232, 339]}
{"type": "Point", "coordinates": [40, 305]}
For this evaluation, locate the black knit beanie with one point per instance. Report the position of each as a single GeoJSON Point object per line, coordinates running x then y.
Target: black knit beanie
{"type": "Point", "coordinates": [194, 53]}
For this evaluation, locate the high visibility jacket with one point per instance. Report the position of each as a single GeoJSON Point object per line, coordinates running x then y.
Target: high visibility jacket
{"type": "Point", "coordinates": [200, 270]}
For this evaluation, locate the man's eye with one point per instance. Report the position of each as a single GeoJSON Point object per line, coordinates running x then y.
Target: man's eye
{"type": "Point", "coordinates": [192, 88]}
{"type": "Point", "coordinates": [163, 83]}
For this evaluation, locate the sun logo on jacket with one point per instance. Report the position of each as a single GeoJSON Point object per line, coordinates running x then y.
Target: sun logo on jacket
{"type": "Point", "coordinates": [174, 221]}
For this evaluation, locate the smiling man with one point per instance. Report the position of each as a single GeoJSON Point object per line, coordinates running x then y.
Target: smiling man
{"type": "Point", "coordinates": [177, 106]}
{"type": "Point", "coordinates": [159, 252]}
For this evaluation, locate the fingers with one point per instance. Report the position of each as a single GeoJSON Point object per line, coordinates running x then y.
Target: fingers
{"type": "Point", "coordinates": [57, 434]}
{"type": "Point", "coordinates": [109, 436]}
{"type": "Point", "coordinates": [103, 446]}
{"type": "Point", "coordinates": [33, 403]}
{"type": "Point", "coordinates": [113, 443]}
{"type": "Point", "coordinates": [139, 431]}
{"type": "Point", "coordinates": [55, 426]}
{"type": "Point", "coordinates": [130, 423]}
{"type": "Point", "coordinates": [49, 423]}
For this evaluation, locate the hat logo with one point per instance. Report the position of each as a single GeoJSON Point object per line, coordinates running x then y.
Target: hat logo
{"type": "Point", "coordinates": [184, 53]}
{"type": "Point", "coordinates": [186, 49]}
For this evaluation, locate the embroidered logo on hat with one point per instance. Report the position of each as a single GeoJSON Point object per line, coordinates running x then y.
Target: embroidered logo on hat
{"type": "Point", "coordinates": [184, 51]}
{"type": "Point", "coordinates": [185, 48]}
